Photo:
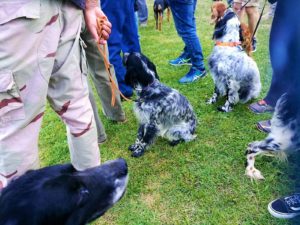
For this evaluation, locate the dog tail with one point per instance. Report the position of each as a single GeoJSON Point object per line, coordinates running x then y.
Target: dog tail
{"type": "Point", "coordinates": [245, 37]}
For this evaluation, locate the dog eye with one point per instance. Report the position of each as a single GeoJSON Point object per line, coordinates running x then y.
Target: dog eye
{"type": "Point", "coordinates": [84, 191]}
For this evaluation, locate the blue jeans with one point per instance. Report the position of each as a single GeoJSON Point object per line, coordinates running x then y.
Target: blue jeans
{"type": "Point", "coordinates": [123, 37]}
{"type": "Point", "coordinates": [183, 13]}
{"type": "Point", "coordinates": [142, 10]}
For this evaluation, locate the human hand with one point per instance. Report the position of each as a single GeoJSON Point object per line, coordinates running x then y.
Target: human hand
{"type": "Point", "coordinates": [91, 14]}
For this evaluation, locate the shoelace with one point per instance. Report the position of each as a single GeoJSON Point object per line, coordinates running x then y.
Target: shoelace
{"type": "Point", "coordinates": [293, 201]}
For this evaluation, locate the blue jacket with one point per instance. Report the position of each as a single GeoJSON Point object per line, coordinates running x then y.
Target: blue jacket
{"type": "Point", "coordinates": [79, 3]}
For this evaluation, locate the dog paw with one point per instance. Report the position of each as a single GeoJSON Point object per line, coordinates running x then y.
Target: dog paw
{"type": "Point", "coordinates": [174, 143]}
{"type": "Point", "coordinates": [210, 101]}
{"type": "Point", "coordinates": [224, 109]}
{"type": "Point", "coordinates": [138, 152]}
{"type": "Point", "coordinates": [132, 147]}
{"type": "Point", "coordinates": [254, 174]}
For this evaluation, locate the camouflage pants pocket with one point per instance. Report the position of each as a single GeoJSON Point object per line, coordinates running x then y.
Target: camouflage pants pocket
{"type": "Point", "coordinates": [11, 105]}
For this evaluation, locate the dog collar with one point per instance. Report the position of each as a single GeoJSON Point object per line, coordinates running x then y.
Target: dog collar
{"type": "Point", "coordinates": [227, 44]}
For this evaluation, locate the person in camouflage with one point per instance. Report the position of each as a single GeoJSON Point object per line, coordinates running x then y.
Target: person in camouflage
{"type": "Point", "coordinates": [41, 58]}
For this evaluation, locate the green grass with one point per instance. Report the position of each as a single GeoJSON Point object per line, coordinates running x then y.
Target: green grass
{"type": "Point", "coordinates": [201, 182]}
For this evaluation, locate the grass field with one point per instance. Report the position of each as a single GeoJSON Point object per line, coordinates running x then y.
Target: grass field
{"type": "Point", "coordinates": [201, 182]}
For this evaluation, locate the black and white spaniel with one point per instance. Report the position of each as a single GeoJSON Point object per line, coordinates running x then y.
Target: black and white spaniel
{"type": "Point", "coordinates": [161, 111]}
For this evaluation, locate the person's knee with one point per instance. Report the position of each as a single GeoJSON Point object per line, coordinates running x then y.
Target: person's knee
{"type": "Point", "coordinates": [237, 6]}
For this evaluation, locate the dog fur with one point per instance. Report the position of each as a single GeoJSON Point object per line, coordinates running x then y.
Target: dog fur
{"type": "Point", "coordinates": [284, 138]}
{"type": "Point", "coordinates": [159, 7]}
{"type": "Point", "coordinates": [60, 195]}
{"type": "Point", "coordinates": [161, 111]}
{"type": "Point", "coordinates": [235, 73]}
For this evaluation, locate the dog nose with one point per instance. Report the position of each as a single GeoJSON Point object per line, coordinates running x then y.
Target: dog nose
{"type": "Point", "coordinates": [120, 167]}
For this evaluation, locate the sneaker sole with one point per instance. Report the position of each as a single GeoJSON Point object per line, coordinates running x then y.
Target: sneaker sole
{"type": "Point", "coordinates": [182, 64]}
{"type": "Point", "coordinates": [198, 78]}
{"type": "Point", "coordinates": [281, 215]}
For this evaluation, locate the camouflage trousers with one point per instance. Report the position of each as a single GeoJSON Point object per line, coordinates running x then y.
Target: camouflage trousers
{"type": "Point", "coordinates": [40, 58]}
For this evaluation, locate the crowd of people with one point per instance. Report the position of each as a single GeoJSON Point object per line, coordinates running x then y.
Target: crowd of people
{"type": "Point", "coordinates": [61, 51]}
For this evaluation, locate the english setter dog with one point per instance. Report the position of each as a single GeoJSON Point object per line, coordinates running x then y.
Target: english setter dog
{"type": "Point", "coordinates": [161, 110]}
{"type": "Point", "coordinates": [285, 57]}
{"type": "Point", "coordinates": [284, 136]}
{"type": "Point", "coordinates": [234, 72]}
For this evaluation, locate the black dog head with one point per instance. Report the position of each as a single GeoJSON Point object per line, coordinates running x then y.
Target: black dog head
{"type": "Point", "coordinates": [140, 71]}
{"type": "Point", "coordinates": [61, 195]}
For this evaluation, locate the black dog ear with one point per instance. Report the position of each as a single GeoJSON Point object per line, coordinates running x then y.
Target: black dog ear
{"type": "Point", "coordinates": [152, 67]}
{"type": "Point", "coordinates": [125, 57]}
{"type": "Point", "coordinates": [130, 77]}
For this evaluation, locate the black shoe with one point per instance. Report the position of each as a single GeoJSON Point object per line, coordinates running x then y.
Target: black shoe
{"type": "Point", "coordinates": [254, 44]}
{"type": "Point", "coordinates": [285, 208]}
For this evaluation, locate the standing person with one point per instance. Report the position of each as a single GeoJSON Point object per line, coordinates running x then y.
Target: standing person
{"type": "Point", "coordinates": [184, 17]}
{"type": "Point", "coordinates": [102, 85]}
{"type": "Point", "coordinates": [251, 9]}
{"type": "Point", "coordinates": [123, 38]}
{"type": "Point", "coordinates": [142, 12]}
{"type": "Point", "coordinates": [41, 58]}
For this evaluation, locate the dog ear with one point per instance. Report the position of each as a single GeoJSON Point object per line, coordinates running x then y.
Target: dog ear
{"type": "Point", "coordinates": [130, 77]}
{"type": "Point", "coordinates": [125, 57]}
{"type": "Point", "coordinates": [152, 67]}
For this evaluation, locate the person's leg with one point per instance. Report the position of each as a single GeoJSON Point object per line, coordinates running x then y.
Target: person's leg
{"type": "Point", "coordinates": [24, 77]}
{"type": "Point", "coordinates": [142, 12]}
{"type": "Point", "coordinates": [99, 125]}
{"type": "Point", "coordinates": [101, 80]}
{"type": "Point", "coordinates": [116, 15]}
{"type": "Point", "coordinates": [237, 5]}
{"type": "Point", "coordinates": [68, 92]}
{"type": "Point", "coordinates": [130, 37]}
{"type": "Point", "coordinates": [183, 14]}
{"type": "Point", "coordinates": [253, 15]}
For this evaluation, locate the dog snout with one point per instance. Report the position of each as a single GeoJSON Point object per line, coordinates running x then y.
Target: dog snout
{"type": "Point", "coordinates": [118, 167]}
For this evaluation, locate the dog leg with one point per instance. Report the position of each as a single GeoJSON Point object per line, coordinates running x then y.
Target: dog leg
{"type": "Point", "coordinates": [160, 18]}
{"type": "Point", "coordinates": [233, 97]}
{"type": "Point", "coordinates": [267, 146]}
{"type": "Point", "coordinates": [214, 97]}
{"type": "Point", "coordinates": [156, 19]}
{"type": "Point", "coordinates": [168, 14]}
{"type": "Point", "coordinates": [147, 140]}
{"type": "Point", "coordinates": [251, 171]}
{"type": "Point", "coordinates": [140, 135]}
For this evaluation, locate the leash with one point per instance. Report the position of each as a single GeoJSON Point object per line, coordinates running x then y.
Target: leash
{"type": "Point", "coordinates": [260, 16]}
{"type": "Point", "coordinates": [243, 6]}
{"type": "Point", "coordinates": [113, 85]}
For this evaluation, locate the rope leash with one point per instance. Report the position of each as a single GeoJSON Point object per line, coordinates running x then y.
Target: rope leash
{"type": "Point", "coordinates": [113, 85]}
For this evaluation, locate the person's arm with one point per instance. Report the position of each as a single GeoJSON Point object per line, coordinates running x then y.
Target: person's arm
{"type": "Point", "coordinates": [91, 13]}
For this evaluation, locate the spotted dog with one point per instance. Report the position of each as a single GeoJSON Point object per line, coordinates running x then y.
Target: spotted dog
{"type": "Point", "coordinates": [160, 110]}
{"type": "Point", "coordinates": [60, 195]}
{"type": "Point", "coordinates": [284, 137]}
{"type": "Point", "coordinates": [234, 72]}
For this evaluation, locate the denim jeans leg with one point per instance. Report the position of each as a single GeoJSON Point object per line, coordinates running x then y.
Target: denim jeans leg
{"type": "Point", "coordinates": [183, 14]}
{"type": "Point", "coordinates": [142, 11]}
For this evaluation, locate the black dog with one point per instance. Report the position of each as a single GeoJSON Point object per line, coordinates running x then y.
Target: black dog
{"type": "Point", "coordinates": [60, 195]}
{"type": "Point", "coordinates": [159, 8]}
{"type": "Point", "coordinates": [161, 111]}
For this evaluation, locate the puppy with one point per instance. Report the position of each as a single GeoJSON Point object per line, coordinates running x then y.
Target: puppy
{"type": "Point", "coordinates": [161, 111]}
{"type": "Point", "coordinates": [60, 195]}
{"type": "Point", "coordinates": [159, 8]}
{"type": "Point", "coordinates": [234, 72]}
